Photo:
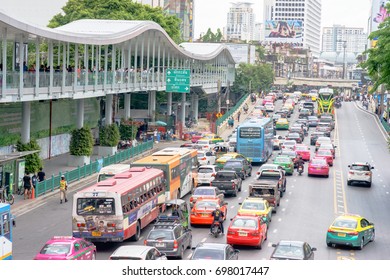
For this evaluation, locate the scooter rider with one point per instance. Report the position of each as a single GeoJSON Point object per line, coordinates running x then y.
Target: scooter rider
{"type": "Point", "coordinates": [218, 217]}
{"type": "Point", "coordinates": [300, 162]}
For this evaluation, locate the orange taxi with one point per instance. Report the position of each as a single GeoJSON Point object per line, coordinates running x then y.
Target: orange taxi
{"type": "Point", "coordinates": [201, 213]}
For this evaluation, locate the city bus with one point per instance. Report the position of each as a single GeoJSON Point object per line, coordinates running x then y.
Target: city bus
{"type": "Point", "coordinates": [254, 139]}
{"type": "Point", "coordinates": [110, 171]}
{"type": "Point", "coordinates": [325, 101]}
{"type": "Point", "coordinates": [6, 224]}
{"type": "Point", "coordinates": [180, 167]}
{"type": "Point", "coordinates": [116, 209]}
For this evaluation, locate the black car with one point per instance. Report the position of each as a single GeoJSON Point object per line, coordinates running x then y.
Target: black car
{"type": "Point", "coordinates": [314, 136]}
{"type": "Point", "coordinates": [242, 167]}
{"type": "Point", "coordinates": [170, 237]}
{"type": "Point", "coordinates": [214, 251]}
{"type": "Point", "coordinates": [292, 250]}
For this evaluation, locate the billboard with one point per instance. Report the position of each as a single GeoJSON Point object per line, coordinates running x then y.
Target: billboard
{"type": "Point", "coordinates": [378, 13]}
{"type": "Point", "coordinates": [242, 53]}
{"type": "Point", "coordinates": [287, 31]}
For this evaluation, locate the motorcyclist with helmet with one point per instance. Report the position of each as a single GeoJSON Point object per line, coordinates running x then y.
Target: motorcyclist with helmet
{"type": "Point", "coordinates": [218, 217]}
{"type": "Point", "coordinates": [300, 162]}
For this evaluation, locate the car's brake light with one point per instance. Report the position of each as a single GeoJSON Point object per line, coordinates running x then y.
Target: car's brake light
{"type": "Point", "coordinates": [145, 242]}
{"type": "Point", "coordinates": [367, 174]}
{"type": "Point", "coordinates": [231, 232]}
{"type": "Point", "coordinates": [175, 244]}
{"type": "Point", "coordinates": [353, 233]}
{"type": "Point", "coordinates": [255, 233]}
{"type": "Point", "coordinates": [191, 199]}
{"type": "Point", "coordinates": [111, 224]}
{"type": "Point", "coordinates": [331, 231]}
{"type": "Point", "coordinates": [80, 225]}
{"type": "Point", "coordinates": [351, 172]}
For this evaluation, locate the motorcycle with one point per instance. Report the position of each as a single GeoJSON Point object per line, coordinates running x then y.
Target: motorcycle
{"type": "Point", "coordinates": [215, 229]}
{"type": "Point", "coordinates": [300, 169]}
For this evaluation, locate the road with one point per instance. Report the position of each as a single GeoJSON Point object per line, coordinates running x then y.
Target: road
{"type": "Point", "coordinates": [306, 210]}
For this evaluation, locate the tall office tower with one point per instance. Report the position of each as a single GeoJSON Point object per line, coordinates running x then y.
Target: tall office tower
{"type": "Point", "coordinates": [333, 39]}
{"type": "Point", "coordinates": [240, 22]}
{"type": "Point", "coordinates": [306, 11]}
{"type": "Point", "coordinates": [183, 9]}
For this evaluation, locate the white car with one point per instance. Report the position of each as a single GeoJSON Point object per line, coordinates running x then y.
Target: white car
{"type": "Point", "coordinates": [207, 145]}
{"type": "Point", "coordinates": [269, 107]}
{"type": "Point", "coordinates": [137, 252]}
{"type": "Point", "coordinates": [360, 172]}
{"type": "Point", "coordinates": [206, 157]}
{"type": "Point", "coordinates": [206, 174]}
{"type": "Point", "coordinates": [289, 145]}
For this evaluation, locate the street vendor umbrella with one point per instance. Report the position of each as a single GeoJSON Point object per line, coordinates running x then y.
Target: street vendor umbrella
{"type": "Point", "coordinates": [161, 123]}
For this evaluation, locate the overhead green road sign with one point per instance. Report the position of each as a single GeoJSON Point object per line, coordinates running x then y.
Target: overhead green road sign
{"type": "Point", "coordinates": [178, 80]}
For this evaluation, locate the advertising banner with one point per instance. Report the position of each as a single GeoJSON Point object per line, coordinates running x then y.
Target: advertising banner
{"type": "Point", "coordinates": [378, 13]}
{"type": "Point", "coordinates": [288, 31]}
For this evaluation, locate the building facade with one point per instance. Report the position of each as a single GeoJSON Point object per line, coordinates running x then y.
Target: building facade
{"type": "Point", "coordinates": [306, 11]}
{"type": "Point", "coordinates": [183, 9]}
{"type": "Point", "coordinates": [240, 22]}
{"type": "Point", "coordinates": [333, 39]}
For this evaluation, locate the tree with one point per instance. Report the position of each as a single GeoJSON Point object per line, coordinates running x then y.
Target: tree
{"type": "Point", "coordinates": [251, 78]}
{"type": "Point", "coordinates": [33, 161]}
{"type": "Point", "coordinates": [211, 37]}
{"type": "Point", "coordinates": [117, 10]}
{"type": "Point", "coordinates": [378, 61]}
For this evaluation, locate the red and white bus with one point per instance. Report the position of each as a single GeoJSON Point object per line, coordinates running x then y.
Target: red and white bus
{"type": "Point", "coordinates": [118, 208]}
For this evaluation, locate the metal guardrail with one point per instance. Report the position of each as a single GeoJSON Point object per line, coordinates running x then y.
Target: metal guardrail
{"type": "Point", "coordinates": [386, 126]}
{"type": "Point", "coordinates": [231, 110]}
{"type": "Point", "coordinates": [53, 183]}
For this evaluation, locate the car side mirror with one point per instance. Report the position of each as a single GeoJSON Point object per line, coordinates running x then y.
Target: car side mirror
{"type": "Point", "coordinates": [313, 249]}
{"type": "Point", "coordinates": [372, 167]}
{"type": "Point", "coordinates": [240, 203]}
{"type": "Point", "coordinates": [274, 245]}
{"type": "Point", "coordinates": [236, 251]}
{"type": "Point", "coordinates": [349, 166]}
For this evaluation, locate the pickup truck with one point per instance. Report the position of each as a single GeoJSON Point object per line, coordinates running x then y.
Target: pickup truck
{"type": "Point", "coordinates": [271, 176]}
{"type": "Point", "coordinates": [228, 182]}
{"type": "Point", "coordinates": [269, 192]}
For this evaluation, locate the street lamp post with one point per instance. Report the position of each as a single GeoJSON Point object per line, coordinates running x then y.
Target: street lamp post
{"type": "Point", "coordinates": [344, 60]}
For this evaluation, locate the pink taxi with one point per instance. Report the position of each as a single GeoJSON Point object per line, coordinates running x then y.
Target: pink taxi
{"type": "Point", "coordinates": [319, 167]}
{"type": "Point", "coordinates": [303, 151]}
{"type": "Point", "coordinates": [67, 248]}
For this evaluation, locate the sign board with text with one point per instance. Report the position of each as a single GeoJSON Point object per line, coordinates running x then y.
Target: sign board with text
{"type": "Point", "coordinates": [178, 80]}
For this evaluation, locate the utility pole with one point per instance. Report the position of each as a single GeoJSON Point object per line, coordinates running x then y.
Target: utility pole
{"type": "Point", "coordinates": [219, 96]}
{"type": "Point", "coordinates": [227, 96]}
{"type": "Point", "coordinates": [344, 66]}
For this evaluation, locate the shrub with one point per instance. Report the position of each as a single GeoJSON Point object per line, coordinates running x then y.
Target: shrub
{"type": "Point", "coordinates": [81, 142]}
{"type": "Point", "coordinates": [33, 161]}
{"type": "Point", "coordinates": [109, 135]}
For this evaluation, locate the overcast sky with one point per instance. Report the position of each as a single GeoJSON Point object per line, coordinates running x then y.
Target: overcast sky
{"type": "Point", "coordinates": [208, 13]}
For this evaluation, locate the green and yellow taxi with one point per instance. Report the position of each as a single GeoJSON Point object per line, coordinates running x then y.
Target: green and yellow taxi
{"type": "Point", "coordinates": [282, 123]}
{"type": "Point", "coordinates": [286, 163]}
{"type": "Point", "coordinates": [351, 230]}
{"type": "Point", "coordinates": [256, 206]}
{"type": "Point", "coordinates": [220, 162]}
{"type": "Point", "coordinates": [213, 137]}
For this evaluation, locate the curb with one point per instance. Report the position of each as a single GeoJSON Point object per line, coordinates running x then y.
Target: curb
{"type": "Point", "coordinates": [360, 107]}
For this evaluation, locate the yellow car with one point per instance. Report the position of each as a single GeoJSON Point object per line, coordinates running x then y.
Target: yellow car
{"type": "Point", "coordinates": [350, 230]}
{"type": "Point", "coordinates": [213, 137]}
{"type": "Point", "coordinates": [256, 206]}
{"type": "Point", "coordinates": [282, 124]}
{"type": "Point", "coordinates": [224, 158]}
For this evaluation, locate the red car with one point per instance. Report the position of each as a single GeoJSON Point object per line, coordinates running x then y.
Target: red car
{"type": "Point", "coordinates": [248, 230]}
{"type": "Point", "coordinates": [318, 166]}
{"type": "Point", "coordinates": [327, 154]}
{"type": "Point", "coordinates": [268, 99]}
{"type": "Point", "coordinates": [201, 213]}
{"type": "Point", "coordinates": [303, 151]}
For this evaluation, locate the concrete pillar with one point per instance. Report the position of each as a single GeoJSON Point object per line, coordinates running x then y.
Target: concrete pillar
{"type": "Point", "coordinates": [183, 109]}
{"type": "Point", "coordinates": [152, 104]}
{"type": "Point", "coordinates": [108, 116]}
{"type": "Point", "coordinates": [169, 103]}
{"type": "Point", "coordinates": [196, 107]}
{"type": "Point", "coordinates": [80, 113]}
{"type": "Point", "coordinates": [192, 112]}
{"type": "Point", "coordinates": [26, 118]}
{"type": "Point", "coordinates": [127, 105]}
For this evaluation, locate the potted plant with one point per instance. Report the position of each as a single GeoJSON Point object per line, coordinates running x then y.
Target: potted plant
{"type": "Point", "coordinates": [80, 147]}
{"type": "Point", "coordinates": [109, 137]}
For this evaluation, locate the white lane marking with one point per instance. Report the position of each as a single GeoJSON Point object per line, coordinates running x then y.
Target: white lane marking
{"type": "Point", "coordinates": [292, 186]}
{"type": "Point", "coordinates": [141, 237]}
{"type": "Point", "coordinates": [387, 192]}
{"type": "Point", "coordinates": [204, 239]}
{"type": "Point", "coordinates": [231, 207]}
{"type": "Point", "coordinates": [189, 256]}
{"type": "Point", "coordinates": [269, 244]}
{"type": "Point", "coordinates": [381, 180]}
{"type": "Point", "coordinates": [22, 212]}
{"type": "Point", "coordinates": [280, 219]}
{"type": "Point", "coordinates": [275, 230]}
{"type": "Point", "coordinates": [295, 180]}
{"type": "Point", "coordinates": [379, 175]}
{"type": "Point", "coordinates": [245, 190]}
{"type": "Point", "coordinates": [286, 200]}
{"type": "Point", "coordinates": [283, 209]}
{"type": "Point", "coordinates": [340, 201]}
{"type": "Point", "coordinates": [239, 198]}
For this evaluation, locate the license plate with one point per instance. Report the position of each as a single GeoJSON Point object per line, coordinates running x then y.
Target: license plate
{"type": "Point", "coordinates": [96, 233]}
{"type": "Point", "coordinates": [205, 215]}
{"type": "Point", "coordinates": [242, 234]}
{"type": "Point", "coordinates": [341, 234]}
{"type": "Point", "coordinates": [160, 245]}
{"type": "Point", "coordinates": [318, 168]}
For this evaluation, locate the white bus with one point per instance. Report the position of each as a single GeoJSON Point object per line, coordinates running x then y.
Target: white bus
{"type": "Point", "coordinates": [111, 170]}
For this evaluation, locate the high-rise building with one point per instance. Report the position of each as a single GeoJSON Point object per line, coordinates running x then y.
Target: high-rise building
{"type": "Point", "coordinates": [240, 22]}
{"type": "Point", "coordinates": [307, 11]}
{"type": "Point", "coordinates": [183, 9]}
{"type": "Point", "coordinates": [333, 39]}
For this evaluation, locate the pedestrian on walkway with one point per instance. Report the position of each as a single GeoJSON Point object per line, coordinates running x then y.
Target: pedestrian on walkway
{"type": "Point", "coordinates": [238, 116]}
{"type": "Point", "coordinates": [41, 175]}
{"type": "Point", "coordinates": [27, 184]}
{"type": "Point", "coordinates": [63, 189]}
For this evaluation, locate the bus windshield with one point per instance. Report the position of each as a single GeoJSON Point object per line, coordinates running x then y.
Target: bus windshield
{"type": "Point", "coordinates": [250, 132]}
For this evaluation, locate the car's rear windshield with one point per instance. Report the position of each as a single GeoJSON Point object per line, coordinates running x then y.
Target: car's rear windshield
{"type": "Point", "coordinates": [225, 175]}
{"type": "Point", "coordinates": [283, 159]}
{"type": "Point", "coordinates": [205, 170]}
{"type": "Point", "coordinates": [360, 167]}
{"type": "Point", "coordinates": [288, 251]}
{"type": "Point", "coordinates": [319, 162]}
{"type": "Point", "coordinates": [206, 205]}
{"type": "Point", "coordinates": [208, 254]}
{"type": "Point", "coordinates": [204, 191]}
{"type": "Point", "coordinates": [56, 249]}
{"type": "Point", "coordinates": [233, 164]}
{"type": "Point", "coordinates": [245, 223]}
{"type": "Point", "coordinates": [247, 205]}
{"type": "Point", "coordinates": [345, 223]}
{"type": "Point", "coordinates": [160, 234]}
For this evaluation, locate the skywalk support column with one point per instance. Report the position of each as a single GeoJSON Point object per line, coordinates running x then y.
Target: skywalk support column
{"type": "Point", "coordinates": [169, 103]}
{"type": "Point", "coordinates": [80, 113]}
{"type": "Point", "coordinates": [26, 118]}
{"type": "Point", "coordinates": [108, 115]}
{"type": "Point", "coordinates": [183, 111]}
{"type": "Point", "coordinates": [192, 112]}
{"type": "Point", "coordinates": [196, 107]}
{"type": "Point", "coordinates": [152, 104]}
{"type": "Point", "coordinates": [127, 105]}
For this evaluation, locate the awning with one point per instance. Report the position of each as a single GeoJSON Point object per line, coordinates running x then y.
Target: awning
{"type": "Point", "coordinates": [13, 156]}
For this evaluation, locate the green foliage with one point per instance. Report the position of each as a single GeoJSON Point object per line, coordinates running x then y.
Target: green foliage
{"type": "Point", "coordinates": [109, 135]}
{"type": "Point", "coordinates": [7, 138]}
{"type": "Point", "coordinates": [33, 161]}
{"type": "Point", "coordinates": [128, 129]}
{"type": "Point", "coordinates": [251, 78]}
{"type": "Point", "coordinates": [211, 37]}
{"type": "Point", "coordinates": [117, 10]}
{"type": "Point", "coordinates": [81, 142]}
{"type": "Point", "coordinates": [378, 61]}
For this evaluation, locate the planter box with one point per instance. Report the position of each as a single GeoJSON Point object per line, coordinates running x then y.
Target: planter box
{"type": "Point", "coordinates": [106, 151]}
{"type": "Point", "coordinates": [78, 160]}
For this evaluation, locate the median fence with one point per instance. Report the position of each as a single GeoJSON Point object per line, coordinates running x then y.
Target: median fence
{"type": "Point", "coordinates": [221, 122]}
{"type": "Point", "coordinates": [53, 183]}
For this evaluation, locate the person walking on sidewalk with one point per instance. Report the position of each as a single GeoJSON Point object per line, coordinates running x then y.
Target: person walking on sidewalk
{"type": "Point", "coordinates": [41, 175]}
{"type": "Point", "coordinates": [238, 116]}
{"type": "Point", "coordinates": [63, 189]}
{"type": "Point", "coordinates": [27, 184]}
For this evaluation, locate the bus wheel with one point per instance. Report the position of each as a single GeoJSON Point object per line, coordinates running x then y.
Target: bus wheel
{"type": "Point", "coordinates": [137, 234]}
